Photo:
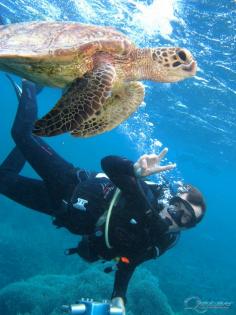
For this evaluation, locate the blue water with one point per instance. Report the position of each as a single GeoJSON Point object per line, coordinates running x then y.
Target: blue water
{"type": "Point", "coordinates": [195, 119]}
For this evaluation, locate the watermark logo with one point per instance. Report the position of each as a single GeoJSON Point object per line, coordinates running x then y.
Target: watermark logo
{"type": "Point", "coordinates": [196, 304]}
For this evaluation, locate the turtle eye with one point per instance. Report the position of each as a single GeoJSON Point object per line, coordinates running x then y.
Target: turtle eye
{"type": "Point", "coordinates": [182, 55]}
{"type": "Point", "coordinates": [176, 64]}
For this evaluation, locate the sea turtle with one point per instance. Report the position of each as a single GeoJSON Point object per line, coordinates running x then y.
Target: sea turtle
{"type": "Point", "coordinates": [98, 66]}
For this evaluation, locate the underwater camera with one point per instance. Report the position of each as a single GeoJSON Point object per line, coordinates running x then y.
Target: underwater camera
{"type": "Point", "coordinates": [90, 307]}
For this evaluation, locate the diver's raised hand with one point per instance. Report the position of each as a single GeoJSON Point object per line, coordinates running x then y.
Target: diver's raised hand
{"type": "Point", "coordinates": [149, 164]}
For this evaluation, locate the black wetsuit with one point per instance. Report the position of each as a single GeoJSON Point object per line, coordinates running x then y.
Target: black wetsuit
{"type": "Point", "coordinates": [77, 198]}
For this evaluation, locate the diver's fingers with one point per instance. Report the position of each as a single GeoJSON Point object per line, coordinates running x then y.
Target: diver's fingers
{"type": "Point", "coordinates": [163, 168]}
{"type": "Point", "coordinates": [143, 163]}
{"type": "Point", "coordinates": [143, 157]}
{"type": "Point", "coordinates": [162, 154]}
{"type": "Point", "coordinates": [16, 87]}
{"type": "Point", "coordinates": [152, 158]}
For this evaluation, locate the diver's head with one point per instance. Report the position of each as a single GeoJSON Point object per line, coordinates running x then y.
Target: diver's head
{"type": "Point", "coordinates": [185, 210]}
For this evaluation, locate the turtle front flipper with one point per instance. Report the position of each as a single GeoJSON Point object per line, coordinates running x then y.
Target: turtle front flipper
{"type": "Point", "coordinates": [82, 102]}
{"type": "Point", "coordinates": [119, 106]}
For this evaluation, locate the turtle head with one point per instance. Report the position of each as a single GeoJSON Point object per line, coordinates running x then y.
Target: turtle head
{"type": "Point", "coordinates": [171, 64]}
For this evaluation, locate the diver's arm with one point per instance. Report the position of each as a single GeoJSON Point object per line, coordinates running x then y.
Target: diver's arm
{"type": "Point", "coordinates": [114, 165]}
{"type": "Point", "coordinates": [121, 172]}
{"type": "Point", "coordinates": [117, 167]}
{"type": "Point", "coordinates": [122, 278]}
{"type": "Point", "coordinates": [125, 271]}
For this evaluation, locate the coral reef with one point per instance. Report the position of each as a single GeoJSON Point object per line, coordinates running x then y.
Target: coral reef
{"type": "Point", "coordinates": [44, 294]}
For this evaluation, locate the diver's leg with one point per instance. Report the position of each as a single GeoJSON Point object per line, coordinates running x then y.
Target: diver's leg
{"type": "Point", "coordinates": [14, 162]}
{"type": "Point", "coordinates": [31, 193]}
{"type": "Point", "coordinates": [53, 169]}
{"type": "Point", "coordinates": [34, 194]}
{"type": "Point", "coordinates": [28, 192]}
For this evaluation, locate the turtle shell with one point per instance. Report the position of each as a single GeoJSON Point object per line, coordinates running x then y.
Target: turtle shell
{"type": "Point", "coordinates": [55, 53]}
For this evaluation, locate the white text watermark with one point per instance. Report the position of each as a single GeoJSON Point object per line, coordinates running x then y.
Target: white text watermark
{"type": "Point", "coordinates": [200, 306]}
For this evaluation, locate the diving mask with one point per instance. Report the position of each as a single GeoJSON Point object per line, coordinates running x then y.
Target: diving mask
{"type": "Point", "coordinates": [182, 212]}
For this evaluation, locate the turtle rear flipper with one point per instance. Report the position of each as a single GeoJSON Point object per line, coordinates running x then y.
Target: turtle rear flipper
{"type": "Point", "coordinates": [119, 106]}
{"type": "Point", "coordinates": [82, 102]}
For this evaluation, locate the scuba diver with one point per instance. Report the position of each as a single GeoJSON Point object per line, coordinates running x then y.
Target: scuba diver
{"type": "Point", "coordinates": [118, 213]}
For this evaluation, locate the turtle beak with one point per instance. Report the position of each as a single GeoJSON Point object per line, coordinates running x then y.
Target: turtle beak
{"type": "Point", "coordinates": [191, 68]}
